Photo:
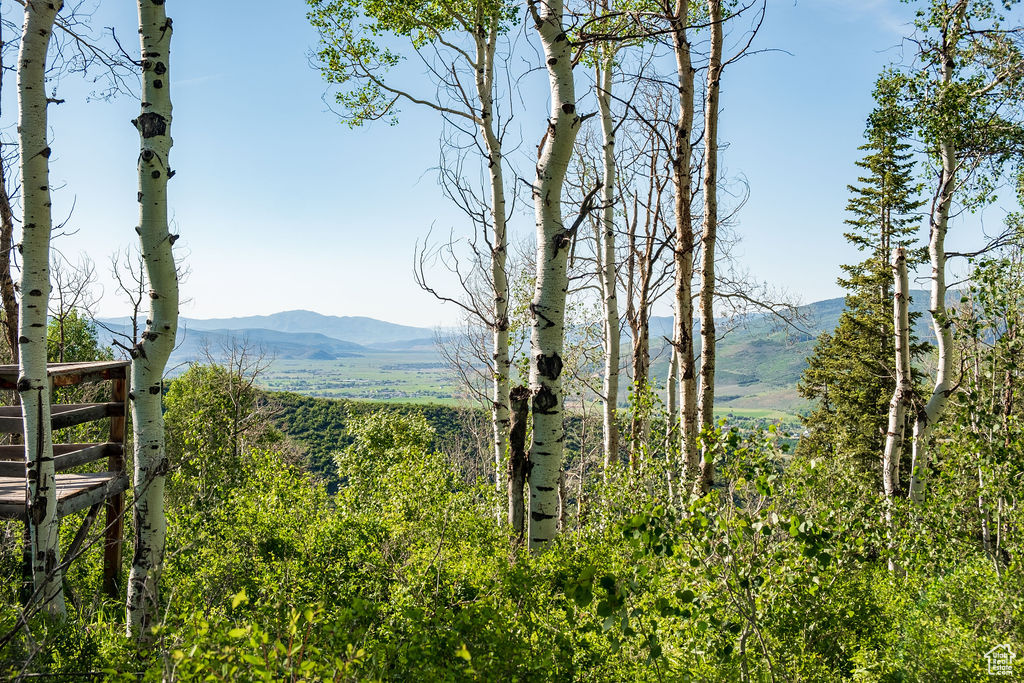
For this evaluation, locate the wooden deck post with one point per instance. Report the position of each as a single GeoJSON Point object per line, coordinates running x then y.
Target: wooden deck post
{"type": "Point", "coordinates": [115, 504]}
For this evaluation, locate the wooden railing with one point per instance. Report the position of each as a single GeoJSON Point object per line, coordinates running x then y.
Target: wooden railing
{"type": "Point", "coordinates": [76, 491]}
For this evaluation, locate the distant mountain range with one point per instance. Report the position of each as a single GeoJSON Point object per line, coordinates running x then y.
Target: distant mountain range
{"type": "Point", "coordinates": [287, 335]}
{"type": "Point", "coordinates": [356, 329]}
{"type": "Point", "coordinates": [759, 361]}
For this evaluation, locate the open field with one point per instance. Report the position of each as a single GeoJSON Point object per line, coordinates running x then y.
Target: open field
{"type": "Point", "coordinates": [405, 376]}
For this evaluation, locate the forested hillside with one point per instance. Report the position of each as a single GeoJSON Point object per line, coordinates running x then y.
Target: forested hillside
{"type": "Point", "coordinates": [591, 469]}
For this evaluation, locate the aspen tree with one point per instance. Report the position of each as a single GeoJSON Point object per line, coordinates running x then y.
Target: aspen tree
{"type": "Point", "coordinates": [707, 242]}
{"type": "Point", "coordinates": [904, 382]}
{"type": "Point", "coordinates": [644, 280]}
{"type": "Point", "coordinates": [351, 53]}
{"type": "Point", "coordinates": [8, 298]}
{"type": "Point", "coordinates": [606, 254]}
{"type": "Point", "coordinates": [33, 384]}
{"type": "Point", "coordinates": [547, 335]}
{"type": "Point", "coordinates": [672, 422]}
{"type": "Point", "coordinates": [149, 356]}
{"type": "Point", "coordinates": [938, 224]}
{"type": "Point", "coordinates": [965, 82]}
{"type": "Point", "coordinates": [682, 179]}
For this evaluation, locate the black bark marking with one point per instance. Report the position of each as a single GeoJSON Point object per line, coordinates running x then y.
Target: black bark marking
{"type": "Point", "coordinates": [540, 517]}
{"type": "Point", "coordinates": [158, 84]}
{"type": "Point", "coordinates": [35, 292]}
{"type": "Point", "coordinates": [549, 367]}
{"type": "Point", "coordinates": [568, 107]}
{"type": "Point", "coordinates": [150, 125]}
{"type": "Point", "coordinates": [562, 240]}
{"type": "Point", "coordinates": [544, 401]}
{"type": "Point", "coordinates": [160, 69]}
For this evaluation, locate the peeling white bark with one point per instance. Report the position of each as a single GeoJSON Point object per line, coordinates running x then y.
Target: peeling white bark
{"type": "Point", "coordinates": [548, 306]}
{"type": "Point", "coordinates": [151, 353]}
{"type": "Point", "coordinates": [33, 385]}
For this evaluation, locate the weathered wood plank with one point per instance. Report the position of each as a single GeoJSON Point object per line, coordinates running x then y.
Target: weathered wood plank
{"type": "Point", "coordinates": [74, 492]}
{"type": "Point", "coordinates": [89, 490]}
{"type": "Point", "coordinates": [61, 415]}
{"type": "Point", "coordinates": [65, 374]}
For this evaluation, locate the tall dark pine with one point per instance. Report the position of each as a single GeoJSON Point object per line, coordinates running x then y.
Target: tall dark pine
{"type": "Point", "coordinates": [851, 374]}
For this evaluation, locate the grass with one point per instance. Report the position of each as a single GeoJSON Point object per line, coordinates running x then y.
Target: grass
{"type": "Point", "coordinates": [420, 377]}
{"type": "Point", "coordinates": [407, 377]}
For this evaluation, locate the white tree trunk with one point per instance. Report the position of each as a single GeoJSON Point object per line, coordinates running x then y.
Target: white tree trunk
{"type": "Point", "coordinates": [33, 384]}
{"type": "Point", "coordinates": [149, 357]}
{"type": "Point", "coordinates": [903, 394]}
{"type": "Point", "coordinates": [606, 262]}
{"type": "Point", "coordinates": [485, 49]}
{"type": "Point", "coordinates": [941, 322]}
{"type": "Point", "coordinates": [904, 387]}
{"type": "Point", "coordinates": [707, 242]}
{"type": "Point", "coordinates": [682, 178]}
{"type": "Point", "coordinates": [672, 401]}
{"type": "Point", "coordinates": [548, 306]}
{"type": "Point", "coordinates": [672, 423]}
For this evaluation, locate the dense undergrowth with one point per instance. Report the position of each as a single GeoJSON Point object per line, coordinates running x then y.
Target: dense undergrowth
{"type": "Point", "coordinates": [780, 574]}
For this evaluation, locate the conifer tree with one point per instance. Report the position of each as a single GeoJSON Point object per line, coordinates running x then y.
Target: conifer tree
{"type": "Point", "coordinates": [852, 373]}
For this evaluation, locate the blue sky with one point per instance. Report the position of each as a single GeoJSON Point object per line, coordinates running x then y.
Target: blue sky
{"type": "Point", "coordinates": [279, 206]}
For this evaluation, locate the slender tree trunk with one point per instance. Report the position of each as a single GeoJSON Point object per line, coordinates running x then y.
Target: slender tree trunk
{"type": "Point", "coordinates": [941, 322]}
{"type": "Point", "coordinates": [903, 393]}
{"type": "Point", "coordinates": [707, 243]}
{"type": "Point", "coordinates": [518, 459]}
{"type": "Point", "coordinates": [672, 399]}
{"type": "Point", "coordinates": [682, 178]}
{"type": "Point", "coordinates": [486, 45]}
{"type": "Point", "coordinates": [612, 332]}
{"type": "Point", "coordinates": [639, 430]}
{"type": "Point", "coordinates": [548, 306]}
{"type": "Point", "coordinates": [904, 386]}
{"type": "Point", "coordinates": [33, 383]}
{"type": "Point", "coordinates": [7, 294]}
{"type": "Point", "coordinates": [149, 356]}
{"type": "Point", "coordinates": [672, 423]}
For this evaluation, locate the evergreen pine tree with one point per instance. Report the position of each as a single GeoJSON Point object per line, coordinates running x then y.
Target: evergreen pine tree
{"type": "Point", "coordinates": [851, 374]}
